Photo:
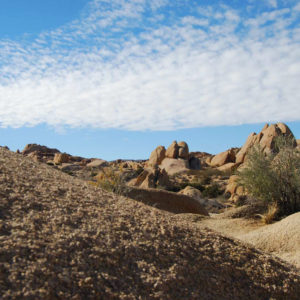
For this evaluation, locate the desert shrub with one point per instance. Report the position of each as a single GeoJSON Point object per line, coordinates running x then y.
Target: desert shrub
{"type": "Point", "coordinates": [212, 191]}
{"type": "Point", "coordinates": [274, 177]}
{"type": "Point", "coordinates": [271, 214]}
{"type": "Point", "coordinates": [112, 181]}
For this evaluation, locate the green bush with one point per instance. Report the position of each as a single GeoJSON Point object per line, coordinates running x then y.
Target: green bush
{"type": "Point", "coordinates": [274, 177]}
{"type": "Point", "coordinates": [212, 191]}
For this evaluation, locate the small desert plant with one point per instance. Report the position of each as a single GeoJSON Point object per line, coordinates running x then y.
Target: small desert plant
{"type": "Point", "coordinates": [212, 191]}
{"type": "Point", "coordinates": [274, 177]}
{"type": "Point", "coordinates": [111, 181]}
{"type": "Point", "coordinates": [271, 214]}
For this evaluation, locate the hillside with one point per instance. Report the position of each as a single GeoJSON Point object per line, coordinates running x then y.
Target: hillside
{"type": "Point", "coordinates": [62, 238]}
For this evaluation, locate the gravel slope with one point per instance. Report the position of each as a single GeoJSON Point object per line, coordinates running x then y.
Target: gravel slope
{"type": "Point", "coordinates": [63, 239]}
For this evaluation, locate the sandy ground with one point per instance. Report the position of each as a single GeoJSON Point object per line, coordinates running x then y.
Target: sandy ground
{"type": "Point", "coordinates": [61, 238]}
{"type": "Point", "coordinates": [281, 238]}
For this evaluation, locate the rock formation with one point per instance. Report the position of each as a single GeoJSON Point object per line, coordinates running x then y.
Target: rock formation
{"type": "Point", "coordinates": [169, 201]}
{"type": "Point", "coordinates": [157, 156]}
{"type": "Point", "coordinates": [151, 178]}
{"type": "Point", "coordinates": [223, 158]}
{"type": "Point", "coordinates": [183, 151]}
{"type": "Point", "coordinates": [173, 150]}
{"type": "Point", "coordinates": [265, 139]}
{"type": "Point", "coordinates": [60, 158]}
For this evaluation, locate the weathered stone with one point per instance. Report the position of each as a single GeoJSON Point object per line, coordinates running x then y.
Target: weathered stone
{"type": "Point", "coordinates": [173, 166]}
{"type": "Point", "coordinates": [229, 167]}
{"type": "Point", "coordinates": [172, 151]}
{"type": "Point", "coordinates": [60, 158]}
{"type": "Point", "coordinates": [169, 201]}
{"type": "Point", "coordinates": [97, 163]}
{"type": "Point", "coordinates": [157, 156]}
{"type": "Point", "coordinates": [38, 148]}
{"type": "Point", "coordinates": [232, 184]}
{"type": "Point", "coordinates": [183, 151]}
{"type": "Point", "coordinates": [223, 158]}
{"type": "Point", "coordinates": [265, 139]}
{"type": "Point", "coordinates": [151, 178]}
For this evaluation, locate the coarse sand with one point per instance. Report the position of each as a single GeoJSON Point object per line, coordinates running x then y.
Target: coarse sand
{"type": "Point", "coordinates": [61, 238]}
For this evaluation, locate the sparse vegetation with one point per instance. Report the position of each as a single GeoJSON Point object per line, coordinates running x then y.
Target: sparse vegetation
{"type": "Point", "coordinates": [112, 181]}
{"type": "Point", "coordinates": [212, 191]}
{"type": "Point", "coordinates": [274, 178]}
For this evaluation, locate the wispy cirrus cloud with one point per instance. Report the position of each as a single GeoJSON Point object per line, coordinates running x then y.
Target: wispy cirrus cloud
{"type": "Point", "coordinates": [142, 65]}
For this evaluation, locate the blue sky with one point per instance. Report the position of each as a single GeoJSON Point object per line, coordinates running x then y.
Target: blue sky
{"type": "Point", "coordinates": [114, 79]}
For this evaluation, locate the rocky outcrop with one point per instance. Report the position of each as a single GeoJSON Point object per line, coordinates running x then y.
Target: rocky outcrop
{"type": "Point", "coordinates": [234, 188]}
{"type": "Point", "coordinates": [169, 201]}
{"type": "Point", "coordinates": [39, 152]}
{"type": "Point", "coordinates": [157, 156]}
{"type": "Point", "coordinates": [211, 205]}
{"type": "Point", "coordinates": [97, 163]}
{"type": "Point", "coordinates": [151, 178]}
{"type": "Point", "coordinates": [173, 150]}
{"type": "Point", "coordinates": [229, 167]}
{"type": "Point", "coordinates": [265, 139]}
{"type": "Point", "coordinates": [173, 166]}
{"type": "Point", "coordinates": [60, 158]}
{"type": "Point", "coordinates": [223, 158]}
{"type": "Point", "coordinates": [183, 151]}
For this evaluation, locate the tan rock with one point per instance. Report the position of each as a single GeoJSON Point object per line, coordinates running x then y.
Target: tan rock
{"type": "Point", "coordinates": [151, 178]}
{"type": "Point", "coordinates": [169, 201]}
{"type": "Point", "coordinates": [97, 163]}
{"type": "Point", "coordinates": [229, 167]}
{"type": "Point", "coordinates": [208, 160]}
{"type": "Point", "coordinates": [211, 205]}
{"type": "Point", "coordinates": [60, 158]}
{"type": "Point", "coordinates": [266, 139]}
{"type": "Point", "coordinates": [232, 184]}
{"type": "Point", "coordinates": [173, 166]}
{"type": "Point", "coordinates": [183, 151]}
{"type": "Point", "coordinates": [172, 151]}
{"type": "Point", "coordinates": [192, 192]}
{"type": "Point", "coordinates": [223, 158]}
{"type": "Point", "coordinates": [249, 143]}
{"type": "Point", "coordinates": [157, 156]}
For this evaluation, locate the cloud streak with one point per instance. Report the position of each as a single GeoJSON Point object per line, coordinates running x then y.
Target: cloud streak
{"type": "Point", "coordinates": [138, 65]}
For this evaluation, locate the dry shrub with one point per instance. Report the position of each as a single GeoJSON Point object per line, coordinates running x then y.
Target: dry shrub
{"type": "Point", "coordinates": [112, 181]}
{"type": "Point", "coordinates": [274, 178]}
{"type": "Point", "coordinates": [271, 214]}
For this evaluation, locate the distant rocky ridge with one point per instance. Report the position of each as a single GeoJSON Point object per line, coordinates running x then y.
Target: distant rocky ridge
{"type": "Point", "coordinates": [164, 164]}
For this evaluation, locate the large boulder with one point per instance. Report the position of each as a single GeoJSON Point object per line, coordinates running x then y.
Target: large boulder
{"type": "Point", "coordinates": [60, 158]}
{"type": "Point", "coordinates": [151, 178]}
{"type": "Point", "coordinates": [169, 201]}
{"type": "Point", "coordinates": [223, 158]}
{"type": "Point", "coordinates": [173, 166]}
{"type": "Point", "coordinates": [172, 151]}
{"type": "Point", "coordinates": [183, 151]}
{"type": "Point", "coordinates": [211, 205]}
{"type": "Point", "coordinates": [265, 139]}
{"type": "Point", "coordinates": [157, 156]}
{"type": "Point", "coordinates": [97, 163]}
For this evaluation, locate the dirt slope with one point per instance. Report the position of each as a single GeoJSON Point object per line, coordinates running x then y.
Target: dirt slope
{"type": "Point", "coordinates": [63, 239]}
{"type": "Point", "coordinates": [281, 238]}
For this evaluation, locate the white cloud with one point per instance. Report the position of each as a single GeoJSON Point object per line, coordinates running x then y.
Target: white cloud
{"type": "Point", "coordinates": [198, 70]}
